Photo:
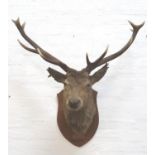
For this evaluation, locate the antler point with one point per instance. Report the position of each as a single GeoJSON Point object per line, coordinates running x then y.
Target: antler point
{"type": "Point", "coordinates": [107, 47]}
{"type": "Point", "coordinates": [131, 23]}
{"type": "Point", "coordinates": [23, 25]}
{"type": "Point", "coordinates": [13, 20]}
{"type": "Point", "coordinates": [87, 58]}
{"type": "Point", "coordinates": [142, 23]}
{"type": "Point", "coordinates": [18, 20]}
{"type": "Point", "coordinates": [19, 41]}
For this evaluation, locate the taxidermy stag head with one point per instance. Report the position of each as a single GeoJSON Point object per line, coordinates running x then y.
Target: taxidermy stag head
{"type": "Point", "coordinates": [77, 109]}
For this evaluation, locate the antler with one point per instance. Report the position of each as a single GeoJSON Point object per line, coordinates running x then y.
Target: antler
{"type": "Point", "coordinates": [101, 60]}
{"type": "Point", "coordinates": [37, 49]}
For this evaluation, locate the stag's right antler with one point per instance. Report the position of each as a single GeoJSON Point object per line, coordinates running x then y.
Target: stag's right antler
{"type": "Point", "coordinates": [37, 49]}
{"type": "Point", "coordinates": [101, 60]}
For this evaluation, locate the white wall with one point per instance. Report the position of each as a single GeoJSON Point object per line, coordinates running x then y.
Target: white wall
{"type": "Point", "coordinates": [69, 29]}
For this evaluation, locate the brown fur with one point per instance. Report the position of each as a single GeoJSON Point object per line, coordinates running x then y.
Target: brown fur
{"type": "Point", "coordinates": [78, 85]}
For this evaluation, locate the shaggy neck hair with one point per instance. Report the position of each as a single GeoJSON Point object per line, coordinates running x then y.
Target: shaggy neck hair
{"type": "Point", "coordinates": [80, 121]}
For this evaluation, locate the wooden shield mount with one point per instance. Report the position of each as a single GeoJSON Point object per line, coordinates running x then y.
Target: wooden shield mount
{"type": "Point", "coordinates": [66, 130]}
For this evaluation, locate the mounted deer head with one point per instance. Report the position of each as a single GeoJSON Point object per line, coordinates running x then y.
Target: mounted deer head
{"type": "Point", "coordinates": [77, 110]}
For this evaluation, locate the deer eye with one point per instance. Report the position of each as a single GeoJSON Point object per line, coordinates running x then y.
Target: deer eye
{"type": "Point", "coordinates": [88, 84]}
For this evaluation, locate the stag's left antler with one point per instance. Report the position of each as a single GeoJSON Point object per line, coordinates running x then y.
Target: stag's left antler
{"type": "Point", "coordinates": [101, 60]}
{"type": "Point", "coordinates": [37, 49]}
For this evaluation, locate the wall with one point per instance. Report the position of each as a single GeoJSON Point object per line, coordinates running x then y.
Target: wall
{"type": "Point", "coordinates": [69, 29]}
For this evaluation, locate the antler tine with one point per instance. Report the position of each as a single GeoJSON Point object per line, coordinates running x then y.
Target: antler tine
{"type": "Point", "coordinates": [87, 60]}
{"type": "Point", "coordinates": [135, 31]}
{"type": "Point", "coordinates": [93, 65]}
{"type": "Point", "coordinates": [37, 49]}
{"type": "Point", "coordinates": [27, 48]}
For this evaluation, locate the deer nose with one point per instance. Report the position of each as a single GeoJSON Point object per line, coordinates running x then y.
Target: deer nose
{"type": "Point", "coordinates": [74, 104]}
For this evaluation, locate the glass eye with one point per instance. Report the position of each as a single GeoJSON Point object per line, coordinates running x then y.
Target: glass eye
{"type": "Point", "coordinates": [88, 85]}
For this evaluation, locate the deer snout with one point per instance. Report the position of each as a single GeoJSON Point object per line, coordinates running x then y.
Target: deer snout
{"type": "Point", "coordinates": [75, 104]}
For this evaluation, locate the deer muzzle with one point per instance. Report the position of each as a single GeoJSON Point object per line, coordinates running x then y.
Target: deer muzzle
{"type": "Point", "coordinates": [74, 104]}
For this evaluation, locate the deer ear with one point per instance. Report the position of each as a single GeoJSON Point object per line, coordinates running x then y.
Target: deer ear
{"type": "Point", "coordinates": [98, 74]}
{"type": "Point", "coordinates": [59, 77]}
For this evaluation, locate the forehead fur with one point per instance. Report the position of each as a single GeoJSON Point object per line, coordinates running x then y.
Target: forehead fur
{"type": "Point", "coordinates": [77, 76]}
